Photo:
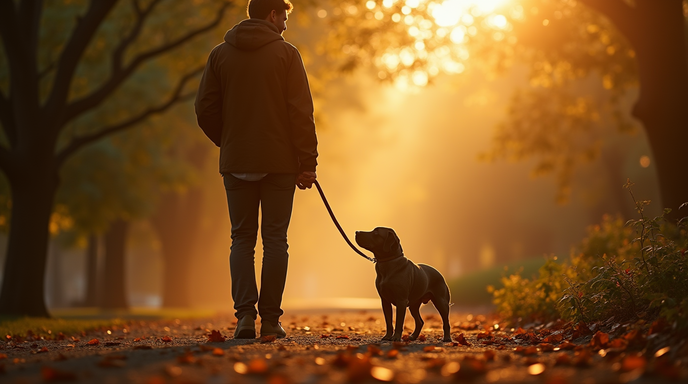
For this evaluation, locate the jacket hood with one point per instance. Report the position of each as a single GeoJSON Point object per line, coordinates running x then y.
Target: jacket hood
{"type": "Point", "coordinates": [252, 34]}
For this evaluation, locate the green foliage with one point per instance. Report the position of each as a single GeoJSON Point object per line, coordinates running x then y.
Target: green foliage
{"type": "Point", "coordinates": [619, 272]}
{"type": "Point", "coordinates": [469, 289]}
{"type": "Point", "coordinates": [531, 299]}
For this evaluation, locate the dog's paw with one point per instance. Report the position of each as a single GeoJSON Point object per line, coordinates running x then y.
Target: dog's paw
{"type": "Point", "coordinates": [413, 337]}
{"type": "Point", "coordinates": [396, 338]}
{"type": "Point", "coordinates": [387, 338]}
{"type": "Point", "coordinates": [447, 340]}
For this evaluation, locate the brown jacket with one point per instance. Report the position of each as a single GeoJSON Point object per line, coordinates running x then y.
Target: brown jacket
{"type": "Point", "coordinates": [254, 102]}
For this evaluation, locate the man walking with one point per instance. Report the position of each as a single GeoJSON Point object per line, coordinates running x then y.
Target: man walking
{"type": "Point", "coordinates": [254, 102]}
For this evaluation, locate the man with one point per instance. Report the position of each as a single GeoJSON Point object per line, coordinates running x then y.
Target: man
{"type": "Point", "coordinates": [254, 102]}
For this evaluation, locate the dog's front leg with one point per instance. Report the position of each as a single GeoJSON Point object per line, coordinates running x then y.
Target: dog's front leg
{"type": "Point", "coordinates": [387, 310]}
{"type": "Point", "coordinates": [401, 314]}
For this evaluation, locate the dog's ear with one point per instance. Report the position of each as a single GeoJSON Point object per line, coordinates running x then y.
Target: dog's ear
{"type": "Point", "coordinates": [391, 241]}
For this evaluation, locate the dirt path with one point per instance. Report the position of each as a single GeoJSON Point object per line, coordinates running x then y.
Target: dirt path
{"type": "Point", "coordinates": [333, 347]}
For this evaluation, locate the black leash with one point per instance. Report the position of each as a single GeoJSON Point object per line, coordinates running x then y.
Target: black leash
{"type": "Point", "coordinates": [334, 219]}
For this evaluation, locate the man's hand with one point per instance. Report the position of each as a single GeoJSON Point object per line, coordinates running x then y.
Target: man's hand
{"type": "Point", "coordinates": [305, 180]}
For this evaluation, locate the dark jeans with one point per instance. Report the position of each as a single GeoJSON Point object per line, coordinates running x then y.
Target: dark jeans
{"type": "Point", "coordinates": [275, 196]}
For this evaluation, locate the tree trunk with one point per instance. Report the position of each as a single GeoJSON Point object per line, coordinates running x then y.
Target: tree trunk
{"type": "Point", "coordinates": [176, 224]}
{"type": "Point", "coordinates": [663, 102]}
{"type": "Point", "coordinates": [91, 297]}
{"type": "Point", "coordinates": [113, 288]}
{"type": "Point", "coordinates": [23, 284]}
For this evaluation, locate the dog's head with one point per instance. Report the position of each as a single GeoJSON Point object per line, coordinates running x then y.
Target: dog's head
{"type": "Point", "coordinates": [383, 242]}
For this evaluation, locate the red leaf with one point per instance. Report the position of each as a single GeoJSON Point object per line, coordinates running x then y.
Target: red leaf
{"type": "Point", "coordinates": [166, 339]}
{"type": "Point", "coordinates": [268, 339]}
{"type": "Point", "coordinates": [93, 342]}
{"type": "Point", "coordinates": [325, 336]}
{"type": "Point", "coordinates": [216, 337]}
{"type": "Point", "coordinates": [342, 337]}
{"type": "Point", "coordinates": [599, 340]}
{"type": "Point", "coordinates": [461, 339]}
{"type": "Point", "coordinates": [422, 338]}
{"type": "Point", "coordinates": [554, 338]}
{"type": "Point", "coordinates": [218, 352]}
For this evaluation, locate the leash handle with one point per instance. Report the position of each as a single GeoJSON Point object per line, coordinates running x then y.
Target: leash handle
{"type": "Point", "coordinates": [339, 227]}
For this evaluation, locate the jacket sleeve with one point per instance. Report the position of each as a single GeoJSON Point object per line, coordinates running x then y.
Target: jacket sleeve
{"type": "Point", "coordinates": [209, 103]}
{"type": "Point", "coordinates": [300, 107]}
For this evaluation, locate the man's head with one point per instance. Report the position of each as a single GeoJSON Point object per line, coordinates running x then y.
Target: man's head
{"type": "Point", "coordinates": [274, 11]}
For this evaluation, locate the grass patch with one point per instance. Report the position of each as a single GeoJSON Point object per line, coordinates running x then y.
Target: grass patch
{"type": "Point", "coordinates": [471, 289]}
{"type": "Point", "coordinates": [75, 320]}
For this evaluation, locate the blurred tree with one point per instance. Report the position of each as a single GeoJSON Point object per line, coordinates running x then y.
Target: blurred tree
{"type": "Point", "coordinates": [618, 43]}
{"type": "Point", "coordinates": [63, 60]}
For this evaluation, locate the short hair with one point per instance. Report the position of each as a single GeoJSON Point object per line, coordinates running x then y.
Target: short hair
{"type": "Point", "coordinates": [260, 9]}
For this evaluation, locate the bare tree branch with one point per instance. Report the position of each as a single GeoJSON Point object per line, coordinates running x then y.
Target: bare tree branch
{"type": "Point", "coordinates": [141, 17]}
{"type": "Point", "coordinates": [176, 97]}
{"type": "Point", "coordinates": [120, 73]}
{"type": "Point", "coordinates": [7, 119]}
{"type": "Point", "coordinates": [82, 34]}
{"type": "Point", "coordinates": [624, 17]}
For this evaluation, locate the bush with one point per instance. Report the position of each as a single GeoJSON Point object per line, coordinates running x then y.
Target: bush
{"type": "Point", "coordinates": [630, 271]}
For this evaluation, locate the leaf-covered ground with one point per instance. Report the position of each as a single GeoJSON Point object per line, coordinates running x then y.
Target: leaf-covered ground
{"type": "Point", "coordinates": [341, 347]}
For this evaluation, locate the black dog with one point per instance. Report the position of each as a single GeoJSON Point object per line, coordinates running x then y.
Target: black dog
{"type": "Point", "coordinates": [402, 283]}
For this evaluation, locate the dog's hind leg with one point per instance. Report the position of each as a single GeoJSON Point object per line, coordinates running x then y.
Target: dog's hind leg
{"type": "Point", "coordinates": [442, 306]}
{"type": "Point", "coordinates": [415, 312]}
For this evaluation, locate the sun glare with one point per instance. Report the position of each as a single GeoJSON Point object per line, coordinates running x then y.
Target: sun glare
{"type": "Point", "coordinates": [439, 32]}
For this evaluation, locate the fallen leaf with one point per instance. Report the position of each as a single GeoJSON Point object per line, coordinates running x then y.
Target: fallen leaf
{"type": "Point", "coordinates": [43, 350]}
{"type": "Point", "coordinates": [216, 337]}
{"type": "Point", "coordinates": [52, 374]}
{"type": "Point", "coordinates": [422, 338]}
{"type": "Point", "coordinates": [461, 339]}
{"type": "Point", "coordinates": [166, 339]}
{"type": "Point", "coordinates": [599, 340]}
{"type": "Point", "coordinates": [93, 342]}
{"type": "Point", "coordinates": [136, 340]}
{"type": "Point", "coordinates": [218, 352]}
{"type": "Point", "coordinates": [554, 338]}
{"type": "Point", "coordinates": [567, 345]}
{"type": "Point", "coordinates": [325, 336]}
{"type": "Point", "coordinates": [342, 337]}
{"type": "Point", "coordinates": [268, 339]}
{"type": "Point", "coordinates": [393, 353]}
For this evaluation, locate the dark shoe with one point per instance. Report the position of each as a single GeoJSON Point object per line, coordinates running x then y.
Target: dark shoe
{"type": "Point", "coordinates": [246, 328]}
{"type": "Point", "coordinates": [267, 329]}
